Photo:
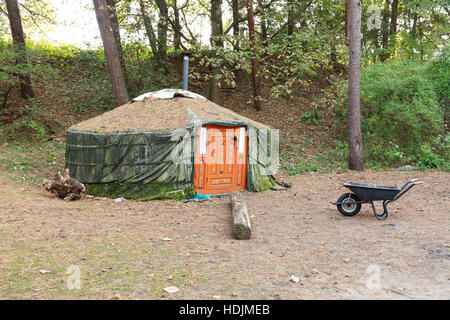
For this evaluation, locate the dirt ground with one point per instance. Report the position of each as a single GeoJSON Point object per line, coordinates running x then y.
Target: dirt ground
{"type": "Point", "coordinates": [119, 250]}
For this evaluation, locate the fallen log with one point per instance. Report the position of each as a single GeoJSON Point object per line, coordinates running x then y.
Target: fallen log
{"type": "Point", "coordinates": [241, 222]}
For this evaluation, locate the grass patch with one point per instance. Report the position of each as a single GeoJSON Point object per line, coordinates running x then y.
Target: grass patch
{"type": "Point", "coordinates": [32, 161]}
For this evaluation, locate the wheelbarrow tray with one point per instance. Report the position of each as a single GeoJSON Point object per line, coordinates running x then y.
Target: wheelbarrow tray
{"type": "Point", "coordinates": [371, 192]}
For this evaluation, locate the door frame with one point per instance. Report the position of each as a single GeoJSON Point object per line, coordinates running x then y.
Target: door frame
{"type": "Point", "coordinates": [196, 153]}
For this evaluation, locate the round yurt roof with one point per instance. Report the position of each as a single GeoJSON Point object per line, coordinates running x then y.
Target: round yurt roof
{"type": "Point", "coordinates": [161, 111]}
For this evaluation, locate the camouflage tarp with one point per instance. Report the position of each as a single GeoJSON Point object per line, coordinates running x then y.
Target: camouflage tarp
{"type": "Point", "coordinates": [132, 160]}
{"type": "Point", "coordinates": [149, 165]}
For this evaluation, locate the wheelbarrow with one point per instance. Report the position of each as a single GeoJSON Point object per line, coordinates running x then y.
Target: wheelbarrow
{"type": "Point", "coordinates": [349, 204]}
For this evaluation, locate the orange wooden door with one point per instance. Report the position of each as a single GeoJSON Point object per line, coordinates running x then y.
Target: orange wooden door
{"type": "Point", "coordinates": [220, 159]}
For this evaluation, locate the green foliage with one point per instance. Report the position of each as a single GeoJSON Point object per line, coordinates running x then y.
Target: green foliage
{"type": "Point", "coordinates": [289, 62]}
{"type": "Point", "coordinates": [26, 123]}
{"type": "Point", "coordinates": [338, 156]}
{"type": "Point", "coordinates": [142, 70]}
{"type": "Point", "coordinates": [422, 26]}
{"type": "Point", "coordinates": [40, 130]}
{"type": "Point", "coordinates": [323, 162]}
{"type": "Point", "coordinates": [400, 108]}
{"type": "Point", "coordinates": [428, 157]}
{"type": "Point", "coordinates": [335, 97]}
{"type": "Point", "coordinates": [37, 16]}
{"type": "Point", "coordinates": [31, 161]}
{"type": "Point", "coordinates": [384, 154]}
{"type": "Point", "coordinates": [10, 70]}
{"type": "Point", "coordinates": [439, 73]}
{"type": "Point", "coordinates": [402, 111]}
{"type": "Point", "coordinates": [284, 63]}
{"type": "Point", "coordinates": [225, 62]}
{"type": "Point", "coordinates": [311, 117]}
{"type": "Point", "coordinates": [83, 75]}
{"type": "Point", "coordinates": [304, 167]}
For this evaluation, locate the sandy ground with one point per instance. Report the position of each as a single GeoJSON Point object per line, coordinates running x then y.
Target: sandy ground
{"type": "Point", "coordinates": [119, 250]}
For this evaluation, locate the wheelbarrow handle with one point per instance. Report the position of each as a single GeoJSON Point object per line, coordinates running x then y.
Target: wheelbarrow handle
{"type": "Point", "coordinates": [410, 181]}
{"type": "Point", "coordinates": [403, 190]}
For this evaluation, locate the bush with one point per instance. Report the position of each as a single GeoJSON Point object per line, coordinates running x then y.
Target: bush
{"type": "Point", "coordinates": [10, 69]}
{"type": "Point", "coordinates": [401, 114]}
{"type": "Point", "coordinates": [402, 111]}
{"type": "Point", "coordinates": [311, 117]}
{"type": "Point", "coordinates": [427, 157]}
{"type": "Point", "coordinates": [399, 105]}
{"type": "Point", "coordinates": [439, 73]}
{"type": "Point", "coordinates": [303, 167]}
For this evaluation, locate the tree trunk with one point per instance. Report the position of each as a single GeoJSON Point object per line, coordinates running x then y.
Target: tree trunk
{"type": "Point", "coordinates": [346, 23]}
{"type": "Point", "coordinates": [163, 25]}
{"type": "Point", "coordinates": [212, 86]}
{"type": "Point", "coordinates": [116, 31]}
{"type": "Point", "coordinates": [385, 32]}
{"type": "Point", "coordinates": [177, 28]}
{"type": "Point", "coordinates": [216, 23]}
{"type": "Point", "coordinates": [394, 15]}
{"type": "Point", "coordinates": [355, 147]}
{"type": "Point", "coordinates": [263, 21]}
{"type": "Point", "coordinates": [414, 26]}
{"type": "Point", "coordinates": [255, 79]}
{"type": "Point", "coordinates": [149, 29]}
{"type": "Point", "coordinates": [18, 37]}
{"type": "Point", "coordinates": [216, 42]}
{"type": "Point", "coordinates": [393, 26]}
{"type": "Point", "coordinates": [290, 24]}
{"type": "Point", "coordinates": [111, 52]}
{"type": "Point", "coordinates": [242, 228]}
{"type": "Point", "coordinates": [235, 7]}
{"type": "Point", "coordinates": [333, 54]}
{"type": "Point", "coordinates": [419, 38]}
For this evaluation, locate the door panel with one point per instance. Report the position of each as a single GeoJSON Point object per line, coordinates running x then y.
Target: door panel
{"type": "Point", "coordinates": [222, 168]}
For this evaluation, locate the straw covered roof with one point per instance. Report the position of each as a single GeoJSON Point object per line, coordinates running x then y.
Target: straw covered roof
{"type": "Point", "coordinates": [161, 111]}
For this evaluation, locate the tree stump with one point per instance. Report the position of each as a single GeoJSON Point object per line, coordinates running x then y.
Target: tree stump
{"type": "Point", "coordinates": [241, 222]}
{"type": "Point", "coordinates": [64, 187]}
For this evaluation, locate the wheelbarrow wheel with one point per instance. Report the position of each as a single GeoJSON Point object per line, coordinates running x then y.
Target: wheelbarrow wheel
{"type": "Point", "coordinates": [351, 208]}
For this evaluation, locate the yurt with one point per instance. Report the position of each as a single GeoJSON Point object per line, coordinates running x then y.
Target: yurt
{"type": "Point", "coordinates": [170, 144]}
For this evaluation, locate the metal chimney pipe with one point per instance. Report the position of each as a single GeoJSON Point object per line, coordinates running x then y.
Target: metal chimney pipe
{"type": "Point", "coordinates": [185, 70]}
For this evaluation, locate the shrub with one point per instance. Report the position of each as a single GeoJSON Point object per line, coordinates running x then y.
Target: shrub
{"type": "Point", "coordinates": [399, 105]}
{"type": "Point", "coordinates": [10, 69]}
{"type": "Point", "coordinates": [311, 117]}
{"type": "Point", "coordinates": [427, 157]}
{"type": "Point", "coordinates": [303, 166]}
{"type": "Point", "coordinates": [402, 111]}
{"type": "Point", "coordinates": [439, 73]}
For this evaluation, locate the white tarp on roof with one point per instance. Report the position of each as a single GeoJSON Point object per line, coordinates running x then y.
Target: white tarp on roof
{"type": "Point", "coordinates": [169, 94]}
